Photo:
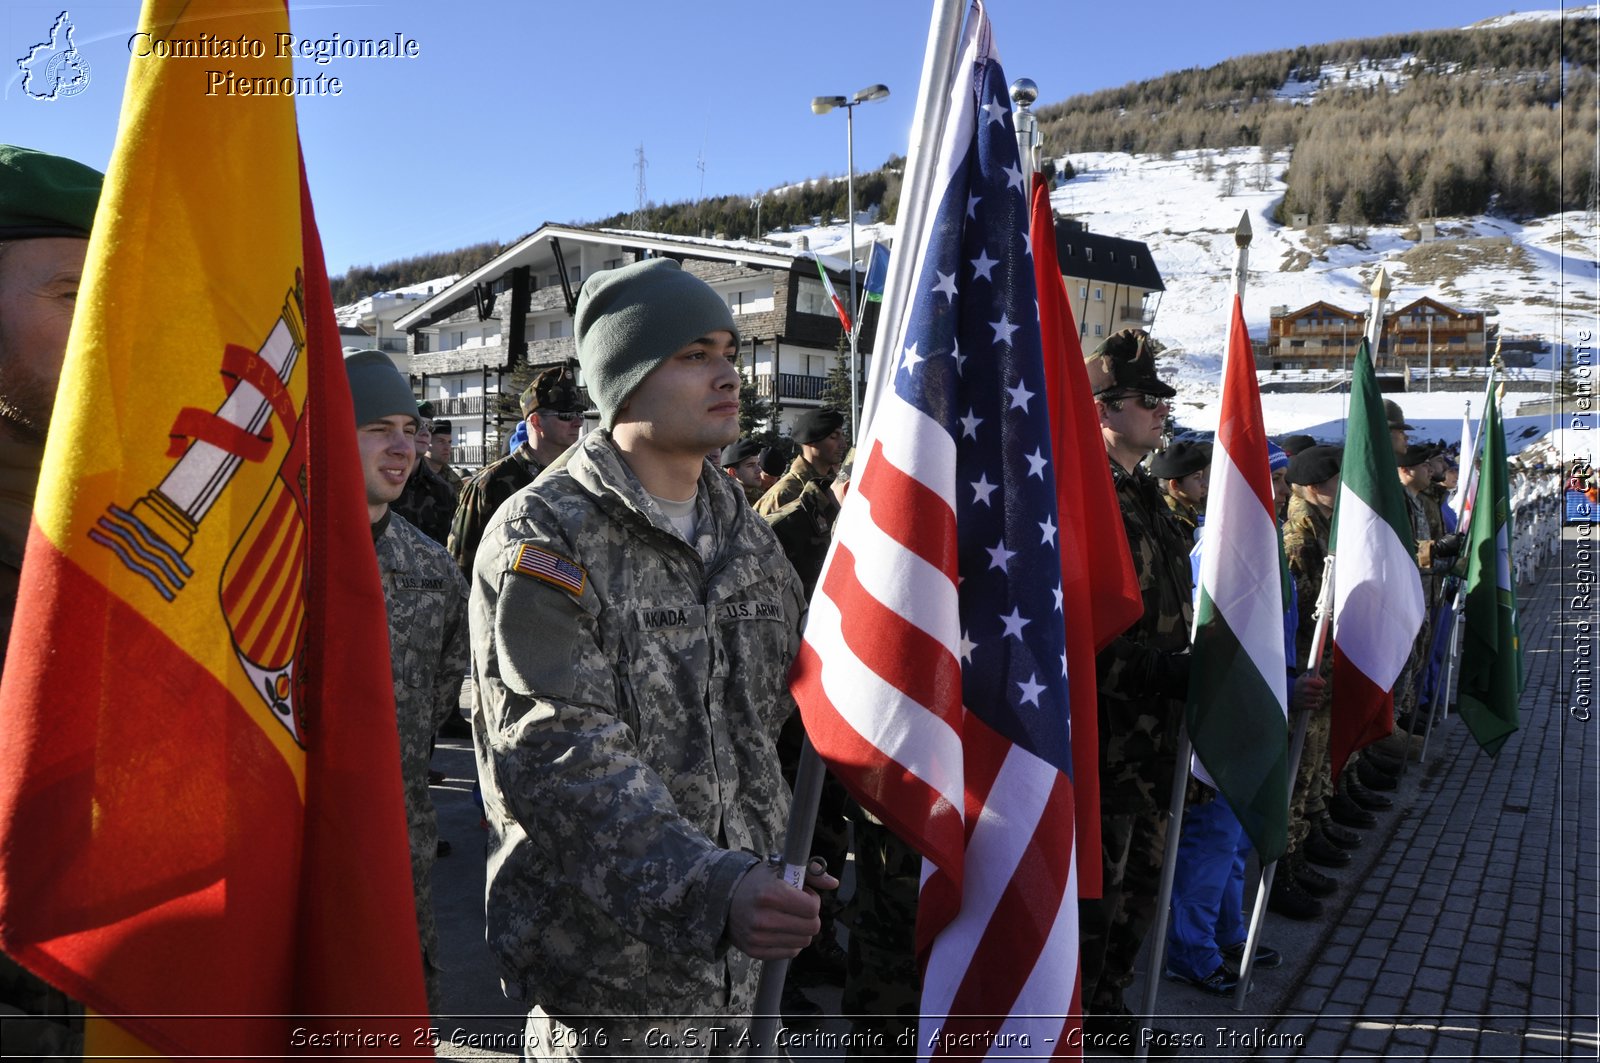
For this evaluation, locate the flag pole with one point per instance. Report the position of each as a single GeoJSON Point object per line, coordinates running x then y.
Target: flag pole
{"type": "Point", "coordinates": [1180, 774]}
{"type": "Point", "coordinates": [933, 105]}
{"type": "Point", "coordinates": [766, 1012]}
{"type": "Point", "coordinates": [933, 98]}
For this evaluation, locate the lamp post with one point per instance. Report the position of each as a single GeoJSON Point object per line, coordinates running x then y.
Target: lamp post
{"type": "Point", "coordinates": [822, 105]}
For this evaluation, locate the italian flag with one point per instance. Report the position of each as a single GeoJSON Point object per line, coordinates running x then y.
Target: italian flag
{"type": "Point", "coordinates": [838, 303]}
{"type": "Point", "coordinates": [1491, 654]}
{"type": "Point", "coordinates": [1237, 710]}
{"type": "Point", "coordinates": [1377, 588]}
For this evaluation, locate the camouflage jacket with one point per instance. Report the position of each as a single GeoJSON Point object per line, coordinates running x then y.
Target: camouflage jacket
{"type": "Point", "coordinates": [486, 492]}
{"type": "Point", "coordinates": [789, 486]}
{"type": "Point", "coordinates": [630, 689]}
{"type": "Point", "coordinates": [1187, 516]}
{"type": "Point", "coordinates": [426, 600]}
{"type": "Point", "coordinates": [805, 530]}
{"type": "Point", "coordinates": [1305, 548]}
{"type": "Point", "coordinates": [1138, 726]}
{"type": "Point", "coordinates": [427, 503]}
{"type": "Point", "coordinates": [448, 474]}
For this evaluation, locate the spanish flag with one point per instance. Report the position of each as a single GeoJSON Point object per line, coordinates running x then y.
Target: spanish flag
{"type": "Point", "coordinates": [201, 824]}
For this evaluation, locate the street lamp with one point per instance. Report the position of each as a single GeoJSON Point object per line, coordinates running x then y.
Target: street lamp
{"type": "Point", "coordinates": [822, 105]}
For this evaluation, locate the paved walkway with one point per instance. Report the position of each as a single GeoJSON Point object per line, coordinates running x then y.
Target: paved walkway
{"type": "Point", "coordinates": [1467, 928]}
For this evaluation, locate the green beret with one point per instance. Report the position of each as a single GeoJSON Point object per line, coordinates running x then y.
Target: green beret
{"type": "Point", "coordinates": [45, 195]}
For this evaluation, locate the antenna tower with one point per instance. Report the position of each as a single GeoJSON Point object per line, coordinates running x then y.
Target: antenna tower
{"type": "Point", "coordinates": [641, 198]}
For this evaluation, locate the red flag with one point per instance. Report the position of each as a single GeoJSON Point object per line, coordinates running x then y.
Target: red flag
{"type": "Point", "coordinates": [1099, 589]}
{"type": "Point", "coordinates": [202, 833]}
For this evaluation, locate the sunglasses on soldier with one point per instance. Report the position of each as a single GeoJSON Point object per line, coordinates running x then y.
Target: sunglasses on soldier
{"type": "Point", "coordinates": [1149, 402]}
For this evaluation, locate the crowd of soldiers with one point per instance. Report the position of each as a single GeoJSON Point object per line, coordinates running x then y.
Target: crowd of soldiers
{"type": "Point", "coordinates": [629, 611]}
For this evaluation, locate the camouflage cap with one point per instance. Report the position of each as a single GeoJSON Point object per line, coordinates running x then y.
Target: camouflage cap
{"type": "Point", "coordinates": [1397, 417]}
{"type": "Point", "coordinates": [1124, 361]}
{"type": "Point", "coordinates": [554, 389]}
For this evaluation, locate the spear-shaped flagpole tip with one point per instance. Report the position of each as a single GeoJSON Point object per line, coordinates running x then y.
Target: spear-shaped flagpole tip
{"type": "Point", "coordinates": [1242, 235]}
{"type": "Point", "coordinates": [1380, 284]}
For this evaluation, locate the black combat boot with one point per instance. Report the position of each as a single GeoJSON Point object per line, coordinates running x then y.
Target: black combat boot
{"type": "Point", "coordinates": [1289, 898]}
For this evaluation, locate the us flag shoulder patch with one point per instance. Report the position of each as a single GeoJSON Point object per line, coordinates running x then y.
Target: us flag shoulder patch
{"type": "Point", "coordinates": [551, 567]}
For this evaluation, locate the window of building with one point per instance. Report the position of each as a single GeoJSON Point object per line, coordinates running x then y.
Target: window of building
{"type": "Point", "coordinates": [1133, 261]}
{"type": "Point", "coordinates": [752, 300]}
{"type": "Point", "coordinates": [1088, 254]}
{"type": "Point", "coordinates": [810, 298]}
{"type": "Point", "coordinates": [1099, 294]}
{"type": "Point", "coordinates": [1083, 291]}
{"type": "Point", "coordinates": [613, 263]}
{"type": "Point", "coordinates": [1099, 330]}
{"type": "Point", "coordinates": [558, 328]}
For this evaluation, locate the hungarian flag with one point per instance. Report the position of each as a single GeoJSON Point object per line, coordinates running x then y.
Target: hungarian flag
{"type": "Point", "coordinates": [932, 677]}
{"type": "Point", "coordinates": [1491, 651]}
{"type": "Point", "coordinates": [1238, 707]}
{"type": "Point", "coordinates": [1099, 588]}
{"type": "Point", "coordinates": [838, 303]}
{"type": "Point", "coordinates": [1377, 588]}
{"type": "Point", "coordinates": [201, 825]}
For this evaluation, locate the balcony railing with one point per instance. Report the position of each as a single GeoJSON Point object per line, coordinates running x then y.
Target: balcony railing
{"type": "Point", "coordinates": [793, 386]}
{"type": "Point", "coordinates": [460, 406]}
{"type": "Point", "coordinates": [466, 455]}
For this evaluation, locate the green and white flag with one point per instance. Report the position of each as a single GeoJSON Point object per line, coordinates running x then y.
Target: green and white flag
{"type": "Point", "coordinates": [1491, 650]}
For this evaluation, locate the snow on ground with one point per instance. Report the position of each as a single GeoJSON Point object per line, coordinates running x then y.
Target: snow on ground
{"type": "Point", "coordinates": [1592, 11]}
{"type": "Point", "coordinates": [1187, 221]}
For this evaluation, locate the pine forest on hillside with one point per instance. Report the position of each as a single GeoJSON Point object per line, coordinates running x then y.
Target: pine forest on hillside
{"type": "Point", "coordinates": [1407, 127]}
{"type": "Point", "coordinates": [1481, 120]}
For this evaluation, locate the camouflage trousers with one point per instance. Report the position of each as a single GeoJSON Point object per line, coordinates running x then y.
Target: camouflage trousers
{"type": "Point", "coordinates": [632, 1037]}
{"type": "Point", "coordinates": [882, 986]}
{"type": "Point", "coordinates": [1113, 928]}
{"type": "Point", "coordinates": [1408, 687]}
{"type": "Point", "coordinates": [1308, 801]}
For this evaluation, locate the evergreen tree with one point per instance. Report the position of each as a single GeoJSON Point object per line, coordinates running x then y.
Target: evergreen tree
{"type": "Point", "coordinates": [836, 392]}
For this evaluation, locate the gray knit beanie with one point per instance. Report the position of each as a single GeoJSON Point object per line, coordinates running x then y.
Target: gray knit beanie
{"type": "Point", "coordinates": [377, 388]}
{"type": "Point", "coordinates": [632, 319]}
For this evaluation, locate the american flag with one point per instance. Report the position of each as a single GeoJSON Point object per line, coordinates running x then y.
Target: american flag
{"type": "Point", "coordinates": [933, 677]}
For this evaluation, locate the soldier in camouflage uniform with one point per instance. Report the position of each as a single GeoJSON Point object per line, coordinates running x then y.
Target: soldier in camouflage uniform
{"type": "Point", "coordinates": [1144, 677]}
{"type": "Point", "coordinates": [1296, 886]}
{"type": "Point", "coordinates": [632, 628]}
{"type": "Point", "coordinates": [427, 503]}
{"type": "Point", "coordinates": [1183, 471]}
{"type": "Point", "coordinates": [425, 598]}
{"type": "Point", "coordinates": [820, 434]}
{"type": "Point", "coordinates": [742, 462]}
{"type": "Point", "coordinates": [552, 413]}
{"type": "Point", "coordinates": [438, 457]}
{"type": "Point", "coordinates": [47, 205]}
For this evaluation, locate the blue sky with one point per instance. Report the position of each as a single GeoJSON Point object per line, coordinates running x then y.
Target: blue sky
{"type": "Point", "coordinates": [519, 113]}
